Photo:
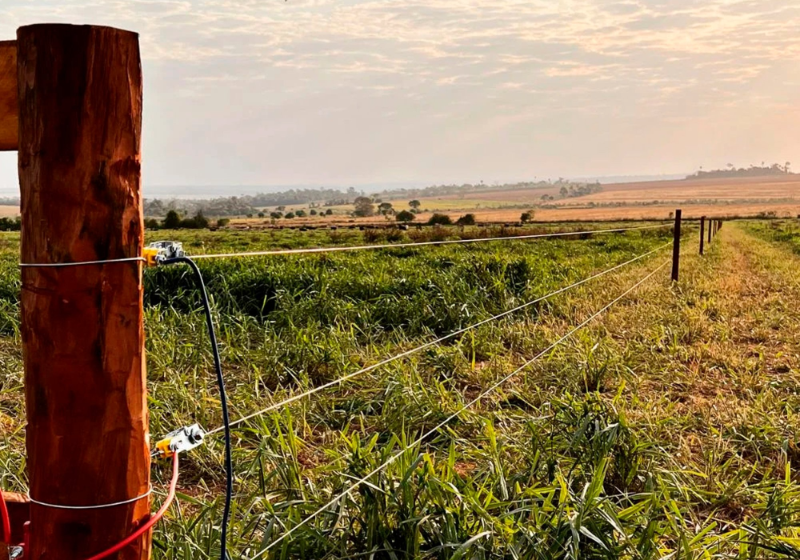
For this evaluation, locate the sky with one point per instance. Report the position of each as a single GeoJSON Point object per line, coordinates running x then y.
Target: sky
{"type": "Point", "coordinates": [246, 93]}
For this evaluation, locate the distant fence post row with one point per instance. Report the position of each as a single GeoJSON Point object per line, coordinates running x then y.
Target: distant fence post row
{"type": "Point", "coordinates": [713, 227]}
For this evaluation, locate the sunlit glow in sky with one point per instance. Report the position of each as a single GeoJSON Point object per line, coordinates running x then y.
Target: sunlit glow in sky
{"type": "Point", "coordinates": [346, 92]}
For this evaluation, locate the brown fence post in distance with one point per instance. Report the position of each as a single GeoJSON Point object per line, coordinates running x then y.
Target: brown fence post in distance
{"type": "Point", "coordinates": [80, 99]}
{"type": "Point", "coordinates": [710, 231]}
{"type": "Point", "coordinates": [702, 234]}
{"type": "Point", "coordinates": [676, 246]}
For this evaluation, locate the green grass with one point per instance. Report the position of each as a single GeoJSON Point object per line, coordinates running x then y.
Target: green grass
{"type": "Point", "coordinates": [657, 432]}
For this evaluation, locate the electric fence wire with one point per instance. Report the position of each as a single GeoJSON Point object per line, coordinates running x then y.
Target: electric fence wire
{"type": "Point", "coordinates": [222, 397]}
{"type": "Point", "coordinates": [419, 244]}
{"type": "Point", "coordinates": [456, 414]}
{"type": "Point", "coordinates": [417, 349]}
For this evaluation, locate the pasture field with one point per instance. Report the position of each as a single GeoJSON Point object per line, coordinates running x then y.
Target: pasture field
{"type": "Point", "coordinates": [667, 428]}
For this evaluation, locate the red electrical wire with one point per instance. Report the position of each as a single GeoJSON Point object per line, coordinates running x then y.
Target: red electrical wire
{"type": "Point", "coordinates": [152, 521]}
{"type": "Point", "coordinates": [6, 520]}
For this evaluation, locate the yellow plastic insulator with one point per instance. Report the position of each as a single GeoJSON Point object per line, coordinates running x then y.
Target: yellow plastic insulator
{"type": "Point", "coordinates": [164, 449]}
{"type": "Point", "coordinates": [150, 255]}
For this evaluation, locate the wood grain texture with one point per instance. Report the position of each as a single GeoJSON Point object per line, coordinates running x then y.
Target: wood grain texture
{"type": "Point", "coordinates": [9, 111]}
{"type": "Point", "coordinates": [80, 93]}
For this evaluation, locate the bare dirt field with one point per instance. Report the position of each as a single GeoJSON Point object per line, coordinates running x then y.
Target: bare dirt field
{"type": "Point", "coordinates": [753, 189]}
{"type": "Point", "coordinates": [748, 188]}
{"type": "Point", "coordinates": [9, 211]}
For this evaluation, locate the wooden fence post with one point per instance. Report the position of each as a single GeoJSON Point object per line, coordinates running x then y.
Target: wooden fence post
{"type": "Point", "coordinates": [702, 234]}
{"type": "Point", "coordinates": [676, 246]}
{"type": "Point", "coordinates": [80, 101]}
{"type": "Point", "coordinates": [710, 231]}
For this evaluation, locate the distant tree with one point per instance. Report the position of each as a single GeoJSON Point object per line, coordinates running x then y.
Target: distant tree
{"type": "Point", "coordinates": [149, 223]}
{"type": "Point", "coordinates": [466, 220]}
{"type": "Point", "coordinates": [564, 192]}
{"type": "Point", "coordinates": [385, 208]}
{"type": "Point", "coordinates": [198, 222]}
{"type": "Point", "coordinates": [289, 215]}
{"type": "Point", "coordinates": [414, 204]}
{"type": "Point", "coordinates": [281, 208]}
{"type": "Point", "coordinates": [300, 213]}
{"type": "Point", "coordinates": [172, 220]}
{"type": "Point", "coordinates": [12, 224]}
{"type": "Point", "coordinates": [276, 215]}
{"type": "Point", "coordinates": [363, 206]}
{"type": "Point", "coordinates": [261, 214]}
{"type": "Point", "coordinates": [222, 222]}
{"type": "Point", "coordinates": [526, 217]}
{"type": "Point", "coordinates": [250, 215]}
{"type": "Point", "coordinates": [313, 212]}
{"type": "Point", "coordinates": [440, 219]}
{"type": "Point", "coordinates": [328, 212]}
{"type": "Point", "coordinates": [405, 216]}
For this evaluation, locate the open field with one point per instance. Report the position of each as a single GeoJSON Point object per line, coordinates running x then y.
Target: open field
{"type": "Point", "coordinates": [9, 211]}
{"type": "Point", "coordinates": [746, 197]}
{"type": "Point", "coordinates": [667, 428]}
{"type": "Point", "coordinates": [747, 188]}
{"type": "Point", "coordinates": [588, 214]}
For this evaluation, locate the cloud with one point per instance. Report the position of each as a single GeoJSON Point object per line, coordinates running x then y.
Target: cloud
{"type": "Point", "coordinates": [428, 64]}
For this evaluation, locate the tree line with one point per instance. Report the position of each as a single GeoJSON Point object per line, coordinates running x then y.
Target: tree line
{"type": "Point", "coordinates": [731, 171]}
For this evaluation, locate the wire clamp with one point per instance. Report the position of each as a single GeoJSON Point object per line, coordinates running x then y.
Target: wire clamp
{"type": "Point", "coordinates": [15, 552]}
{"type": "Point", "coordinates": [180, 441]}
{"type": "Point", "coordinates": [159, 251]}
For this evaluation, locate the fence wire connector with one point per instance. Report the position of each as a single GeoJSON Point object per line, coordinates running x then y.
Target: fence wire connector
{"type": "Point", "coordinates": [159, 251]}
{"type": "Point", "coordinates": [180, 441]}
{"type": "Point", "coordinates": [15, 552]}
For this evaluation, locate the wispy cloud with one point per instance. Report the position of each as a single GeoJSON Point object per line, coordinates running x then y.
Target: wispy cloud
{"type": "Point", "coordinates": [437, 69]}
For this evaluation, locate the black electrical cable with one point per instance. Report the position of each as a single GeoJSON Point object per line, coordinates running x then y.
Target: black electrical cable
{"type": "Point", "coordinates": [222, 397]}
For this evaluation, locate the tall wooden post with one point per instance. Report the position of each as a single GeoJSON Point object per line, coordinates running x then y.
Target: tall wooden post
{"type": "Point", "coordinates": [710, 231]}
{"type": "Point", "coordinates": [703, 234]}
{"type": "Point", "coordinates": [80, 102]}
{"type": "Point", "coordinates": [676, 246]}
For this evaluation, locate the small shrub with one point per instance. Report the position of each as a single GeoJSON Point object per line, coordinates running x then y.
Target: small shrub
{"type": "Point", "coordinates": [373, 235]}
{"type": "Point", "coordinates": [222, 222]}
{"type": "Point", "coordinates": [300, 213]}
{"type": "Point", "coordinates": [328, 212]}
{"type": "Point", "coordinates": [149, 223]}
{"type": "Point", "coordinates": [466, 220]}
{"type": "Point", "coordinates": [313, 212]}
{"type": "Point", "coordinates": [336, 237]}
{"type": "Point", "coordinates": [276, 215]}
{"type": "Point", "coordinates": [440, 220]}
{"type": "Point", "coordinates": [526, 217]}
{"type": "Point", "coordinates": [394, 235]}
{"type": "Point", "coordinates": [289, 215]}
{"type": "Point", "coordinates": [405, 216]}
{"type": "Point", "coordinates": [436, 233]}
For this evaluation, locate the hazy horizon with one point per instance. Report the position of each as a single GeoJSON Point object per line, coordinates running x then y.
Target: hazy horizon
{"type": "Point", "coordinates": [255, 94]}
